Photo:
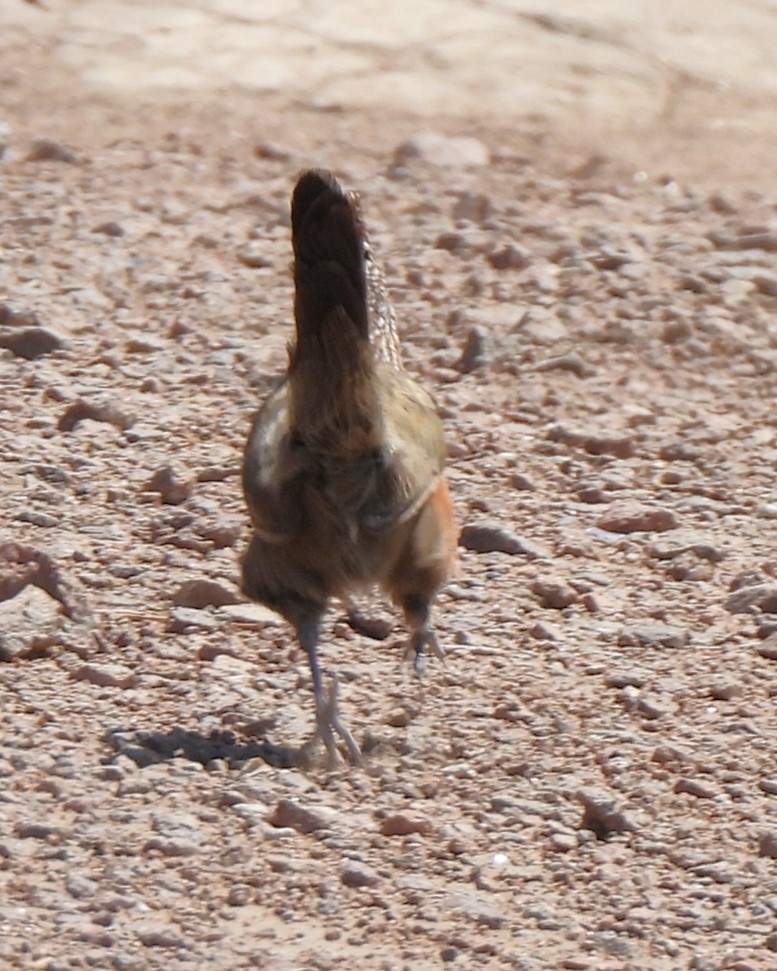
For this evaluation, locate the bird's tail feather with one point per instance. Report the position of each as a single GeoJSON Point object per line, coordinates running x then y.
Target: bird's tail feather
{"type": "Point", "coordinates": [331, 375]}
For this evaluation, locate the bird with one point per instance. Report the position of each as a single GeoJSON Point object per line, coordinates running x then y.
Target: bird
{"type": "Point", "coordinates": [343, 470]}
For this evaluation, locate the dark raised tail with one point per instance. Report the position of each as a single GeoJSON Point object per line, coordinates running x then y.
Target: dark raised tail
{"type": "Point", "coordinates": [328, 241]}
{"type": "Point", "coordinates": [333, 402]}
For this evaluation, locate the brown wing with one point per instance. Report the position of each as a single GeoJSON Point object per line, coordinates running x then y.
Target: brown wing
{"type": "Point", "coordinates": [274, 470]}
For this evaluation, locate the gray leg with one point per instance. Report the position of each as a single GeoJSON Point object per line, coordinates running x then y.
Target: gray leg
{"type": "Point", "coordinates": [327, 716]}
{"type": "Point", "coordinates": [418, 617]}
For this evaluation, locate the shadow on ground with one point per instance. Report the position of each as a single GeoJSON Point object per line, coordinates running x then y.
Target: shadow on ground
{"type": "Point", "coordinates": [148, 747]}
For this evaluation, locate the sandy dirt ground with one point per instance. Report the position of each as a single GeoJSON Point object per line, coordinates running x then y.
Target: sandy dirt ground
{"type": "Point", "coordinates": [575, 208]}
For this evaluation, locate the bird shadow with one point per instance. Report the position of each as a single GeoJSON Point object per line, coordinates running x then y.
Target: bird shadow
{"type": "Point", "coordinates": [148, 747]}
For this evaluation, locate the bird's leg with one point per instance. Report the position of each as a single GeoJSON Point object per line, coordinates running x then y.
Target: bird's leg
{"type": "Point", "coordinates": [418, 616]}
{"type": "Point", "coordinates": [327, 716]}
{"type": "Point", "coordinates": [332, 718]}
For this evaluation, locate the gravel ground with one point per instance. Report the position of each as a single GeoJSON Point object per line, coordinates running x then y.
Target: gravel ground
{"type": "Point", "coordinates": [588, 783]}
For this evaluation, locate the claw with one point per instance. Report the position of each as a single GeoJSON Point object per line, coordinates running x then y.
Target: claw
{"type": "Point", "coordinates": [328, 725]}
{"type": "Point", "coordinates": [416, 649]}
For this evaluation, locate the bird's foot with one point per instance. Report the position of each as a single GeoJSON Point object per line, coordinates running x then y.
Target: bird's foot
{"type": "Point", "coordinates": [416, 649]}
{"type": "Point", "coordinates": [328, 725]}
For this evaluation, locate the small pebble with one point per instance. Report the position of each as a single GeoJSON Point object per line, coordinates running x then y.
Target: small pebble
{"type": "Point", "coordinates": [632, 517]}
{"type": "Point", "coordinates": [694, 788]}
